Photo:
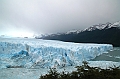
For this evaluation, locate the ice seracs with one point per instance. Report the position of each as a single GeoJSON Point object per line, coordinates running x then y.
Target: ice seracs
{"type": "Point", "coordinates": [37, 53]}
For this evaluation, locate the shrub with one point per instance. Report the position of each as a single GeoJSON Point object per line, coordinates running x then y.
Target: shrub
{"type": "Point", "coordinates": [85, 72]}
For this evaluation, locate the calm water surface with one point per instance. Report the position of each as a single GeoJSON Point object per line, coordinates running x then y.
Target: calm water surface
{"type": "Point", "coordinates": [113, 55]}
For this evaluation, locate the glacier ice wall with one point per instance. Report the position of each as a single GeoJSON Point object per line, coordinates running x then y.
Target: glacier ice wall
{"type": "Point", "coordinates": [34, 53]}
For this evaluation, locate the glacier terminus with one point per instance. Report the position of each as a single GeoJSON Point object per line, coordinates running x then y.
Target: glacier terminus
{"type": "Point", "coordinates": [38, 53]}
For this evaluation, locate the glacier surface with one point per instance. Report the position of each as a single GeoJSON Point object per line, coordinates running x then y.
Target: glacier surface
{"type": "Point", "coordinates": [38, 53]}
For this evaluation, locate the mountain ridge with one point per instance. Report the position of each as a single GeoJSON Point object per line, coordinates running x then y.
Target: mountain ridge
{"type": "Point", "coordinates": [102, 33]}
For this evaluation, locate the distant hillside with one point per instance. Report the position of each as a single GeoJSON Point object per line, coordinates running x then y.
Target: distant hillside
{"type": "Point", "coordinates": [102, 33]}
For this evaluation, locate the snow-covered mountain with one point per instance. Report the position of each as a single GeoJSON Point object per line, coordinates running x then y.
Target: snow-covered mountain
{"type": "Point", "coordinates": [103, 26]}
{"type": "Point", "coordinates": [97, 27]}
{"type": "Point", "coordinates": [101, 33]}
{"type": "Point", "coordinates": [37, 53]}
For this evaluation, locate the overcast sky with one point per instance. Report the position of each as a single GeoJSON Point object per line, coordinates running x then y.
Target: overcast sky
{"type": "Point", "coordinates": [50, 16]}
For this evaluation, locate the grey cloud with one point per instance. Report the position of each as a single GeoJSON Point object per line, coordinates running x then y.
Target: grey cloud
{"type": "Point", "coordinates": [50, 16]}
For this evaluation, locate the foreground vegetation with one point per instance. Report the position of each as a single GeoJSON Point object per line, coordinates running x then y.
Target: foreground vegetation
{"type": "Point", "coordinates": [85, 72]}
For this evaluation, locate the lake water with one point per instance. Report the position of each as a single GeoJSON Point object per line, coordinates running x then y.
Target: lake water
{"type": "Point", "coordinates": [113, 55]}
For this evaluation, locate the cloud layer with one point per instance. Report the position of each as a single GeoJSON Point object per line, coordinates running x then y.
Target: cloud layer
{"type": "Point", "coordinates": [50, 16]}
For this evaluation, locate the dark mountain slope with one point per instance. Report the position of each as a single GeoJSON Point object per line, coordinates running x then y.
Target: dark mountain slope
{"type": "Point", "coordinates": [109, 35]}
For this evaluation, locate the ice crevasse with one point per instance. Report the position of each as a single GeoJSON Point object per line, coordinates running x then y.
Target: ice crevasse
{"type": "Point", "coordinates": [38, 53]}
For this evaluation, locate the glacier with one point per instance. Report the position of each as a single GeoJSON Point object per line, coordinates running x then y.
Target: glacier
{"type": "Point", "coordinates": [38, 53]}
